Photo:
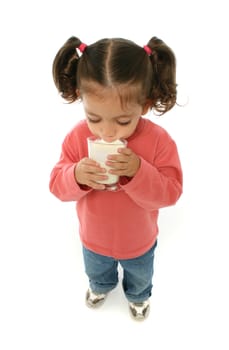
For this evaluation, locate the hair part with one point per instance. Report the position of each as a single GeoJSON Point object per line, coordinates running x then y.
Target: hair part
{"type": "Point", "coordinates": [119, 64]}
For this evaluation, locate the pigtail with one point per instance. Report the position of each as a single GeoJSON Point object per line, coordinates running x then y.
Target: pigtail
{"type": "Point", "coordinates": [64, 69]}
{"type": "Point", "coordinates": [163, 92]}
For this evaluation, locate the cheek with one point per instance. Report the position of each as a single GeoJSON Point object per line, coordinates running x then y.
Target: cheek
{"type": "Point", "coordinates": [93, 128]}
{"type": "Point", "coordinates": [131, 129]}
{"type": "Point", "coordinates": [128, 131]}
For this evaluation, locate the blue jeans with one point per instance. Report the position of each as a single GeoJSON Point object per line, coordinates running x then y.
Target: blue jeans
{"type": "Point", "coordinates": [102, 272]}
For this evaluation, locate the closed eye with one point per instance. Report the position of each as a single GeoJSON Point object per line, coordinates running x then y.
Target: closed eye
{"type": "Point", "coordinates": [117, 121]}
{"type": "Point", "coordinates": [93, 120]}
{"type": "Point", "coordinates": [124, 123]}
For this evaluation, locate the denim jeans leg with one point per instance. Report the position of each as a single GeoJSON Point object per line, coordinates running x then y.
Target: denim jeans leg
{"type": "Point", "coordinates": [137, 276]}
{"type": "Point", "coordinates": [101, 270]}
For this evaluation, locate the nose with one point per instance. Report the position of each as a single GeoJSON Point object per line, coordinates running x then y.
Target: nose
{"type": "Point", "coordinates": [108, 132]}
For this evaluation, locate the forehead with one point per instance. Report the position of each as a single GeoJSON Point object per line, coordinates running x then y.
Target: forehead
{"type": "Point", "coordinates": [124, 98]}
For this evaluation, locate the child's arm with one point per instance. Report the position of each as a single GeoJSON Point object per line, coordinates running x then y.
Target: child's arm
{"type": "Point", "coordinates": [72, 177]}
{"type": "Point", "coordinates": [153, 185]}
{"type": "Point", "coordinates": [63, 183]}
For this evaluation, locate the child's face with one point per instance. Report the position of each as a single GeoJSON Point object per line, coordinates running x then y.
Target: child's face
{"type": "Point", "coordinates": [107, 118]}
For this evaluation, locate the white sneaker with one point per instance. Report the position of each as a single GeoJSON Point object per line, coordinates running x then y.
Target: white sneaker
{"type": "Point", "coordinates": [139, 311]}
{"type": "Point", "coordinates": [94, 299]}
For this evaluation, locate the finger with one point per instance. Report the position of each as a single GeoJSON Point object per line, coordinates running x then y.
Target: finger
{"type": "Point", "coordinates": [124, 154]}
{"type": "Point", "coordinates": [89, 161]}
{"type": "Point", "coordinates": [117, 165]}
{"type": "Point", "coordinates": [125, 150]}
{"type": "Point", "coordinates": [97, 178]}
{"type": "Point", "coordinates": [91, 167]}
{"type": "Point", "coordinates": [118, 158]}
{"type": "Point", "coordinates": [121, 168]}
{"type": "Point", "coordinates": [94, 169]}
{"type": "Point", "coordinates": [97, 186]}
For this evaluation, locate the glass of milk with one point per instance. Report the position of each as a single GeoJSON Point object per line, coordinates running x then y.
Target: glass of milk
{"type": "Point", "coordinates": [98, 150]}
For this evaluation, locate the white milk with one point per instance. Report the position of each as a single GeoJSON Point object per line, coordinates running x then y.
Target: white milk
{"type": "Point", "coordinates": [98, 150]}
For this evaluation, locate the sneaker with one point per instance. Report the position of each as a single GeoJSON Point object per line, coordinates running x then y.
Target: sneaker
{"type": "Point", "coordinates": [94, 299]}
{"type": "Point", "coordinates": [139, 311]}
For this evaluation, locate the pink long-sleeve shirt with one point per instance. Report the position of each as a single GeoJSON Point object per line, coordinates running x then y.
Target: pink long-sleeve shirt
{"type": "Point", "coordinates": [121, 224]}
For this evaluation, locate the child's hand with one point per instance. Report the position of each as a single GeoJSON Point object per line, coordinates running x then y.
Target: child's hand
{"type": "Point", "coordinates": [126, 163]}
{"type": "Point", "coordinates": [88, 172]}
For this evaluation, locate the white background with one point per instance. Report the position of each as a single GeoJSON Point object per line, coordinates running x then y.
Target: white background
{"type": "Point", "coordinates": [42, 281]}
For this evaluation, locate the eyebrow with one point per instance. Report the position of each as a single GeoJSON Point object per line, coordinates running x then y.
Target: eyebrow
{"type": "Point", "coordinates": [116, 117]}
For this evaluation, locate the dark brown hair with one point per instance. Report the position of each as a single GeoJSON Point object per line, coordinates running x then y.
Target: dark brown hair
{"type": "Point", "coordinates": [121, 64]}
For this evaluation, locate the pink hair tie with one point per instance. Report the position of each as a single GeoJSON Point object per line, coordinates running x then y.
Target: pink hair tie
{"type": "Point", "coordinates": [148, 50]}
{"type": "Point", "coordinates": [82, 47]}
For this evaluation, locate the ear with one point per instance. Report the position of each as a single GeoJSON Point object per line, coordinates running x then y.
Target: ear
{"type": "Point", "coordinates": [146, 107]}
{"type": "Point", "coordinates": [79, 96]}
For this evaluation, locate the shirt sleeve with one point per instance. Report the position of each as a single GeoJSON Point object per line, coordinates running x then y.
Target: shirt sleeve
{"type": "Point", "coordinates": [62, 180]}
{"type": "Point", "coordinates": [158, 183]}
